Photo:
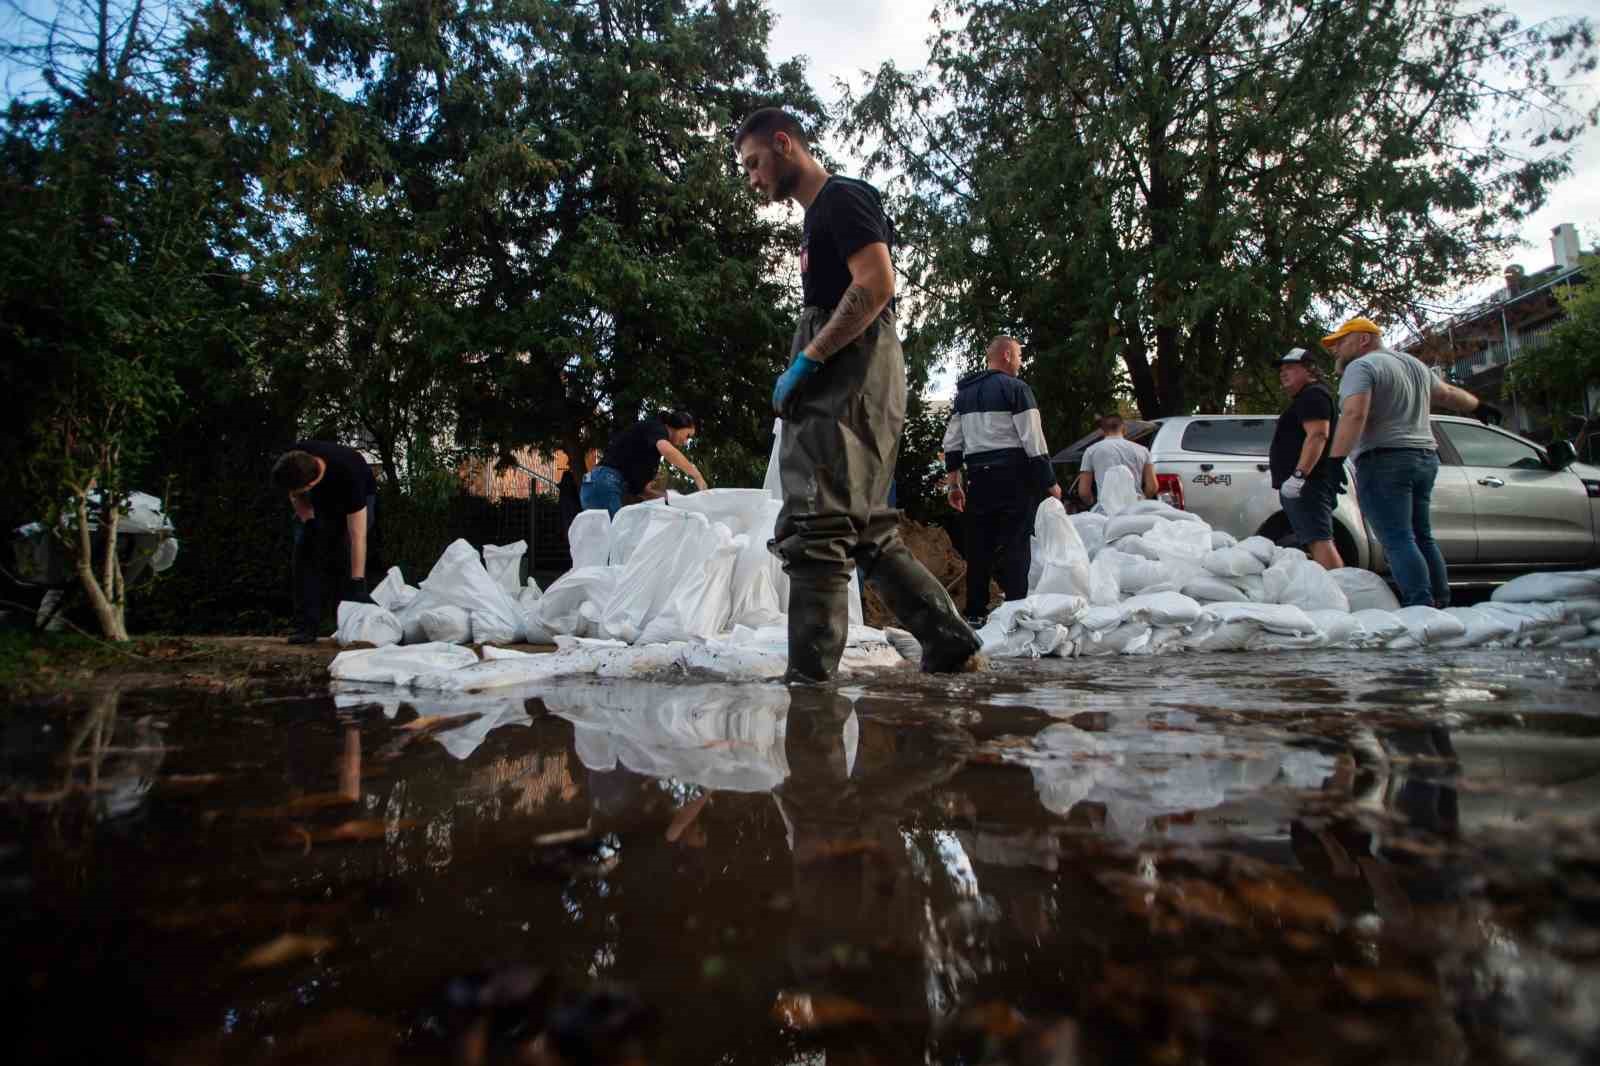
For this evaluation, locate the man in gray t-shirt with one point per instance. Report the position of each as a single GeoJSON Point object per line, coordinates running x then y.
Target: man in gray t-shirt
{"type": "Point", "coordinates": [1110, 451]}
{"type": "Point", "coordinates": [1384, 401]}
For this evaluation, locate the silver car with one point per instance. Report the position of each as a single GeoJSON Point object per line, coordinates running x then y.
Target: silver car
{"type": "Point", "coordinates": [1502, 505]}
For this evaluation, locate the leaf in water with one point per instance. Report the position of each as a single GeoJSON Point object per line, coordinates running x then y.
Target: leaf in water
{"type": "Point", "coordinates": [1194, 898]}
{"type": "Point", "coordinates": [1371, 986]}
{"type": "Point", "coordinates": [290, 947]}
{"type": "Point", "coordinates": [357, 829]}
{"type": "Point", "coordinates": [188, 780]}
{"type": "Point", "coordinates": [803, 1011]}
{"type": "Point", "coordinates": [1001, 1021]}
{"type": "Point", "coordinates": [1287, 902]}
{"type": "Point", "coordinates": [437, 723]}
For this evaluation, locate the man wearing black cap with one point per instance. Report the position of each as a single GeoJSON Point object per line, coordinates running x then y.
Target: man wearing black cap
{"type": "Point", "coordinates": [1307, 479]}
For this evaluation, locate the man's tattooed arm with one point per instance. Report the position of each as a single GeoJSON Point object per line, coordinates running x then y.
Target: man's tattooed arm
{"type": "Point", "coordinates": [856, 310]}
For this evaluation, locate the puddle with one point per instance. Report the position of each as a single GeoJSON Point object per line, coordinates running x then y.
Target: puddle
{"type": "Point", "coordinates": [1310, 858]}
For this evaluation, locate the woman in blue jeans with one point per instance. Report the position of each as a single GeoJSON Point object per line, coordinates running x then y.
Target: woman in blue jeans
{"type": "Point", "coordinates": [634, 456]}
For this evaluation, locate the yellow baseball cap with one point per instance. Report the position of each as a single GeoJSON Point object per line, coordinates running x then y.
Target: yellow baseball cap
{"type": "Point", "coordinates": [1354, 325]}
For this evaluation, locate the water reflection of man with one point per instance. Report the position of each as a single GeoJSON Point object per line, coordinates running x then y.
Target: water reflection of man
{"type": "Point", "coordinates": [869, 895]}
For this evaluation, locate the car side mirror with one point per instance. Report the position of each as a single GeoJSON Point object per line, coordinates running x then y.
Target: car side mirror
{"type": "Point", "coordinates": [1562, 454]}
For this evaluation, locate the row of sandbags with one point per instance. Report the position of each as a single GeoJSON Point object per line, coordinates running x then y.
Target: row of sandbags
{"type": "Point", "coordinates": [682, 568]}
{"type": "Point", "coordinates": [1065, 625]}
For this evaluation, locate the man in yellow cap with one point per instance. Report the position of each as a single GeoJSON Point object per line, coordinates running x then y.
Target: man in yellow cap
{"type": "Point", "coordinates": [1384, 401]}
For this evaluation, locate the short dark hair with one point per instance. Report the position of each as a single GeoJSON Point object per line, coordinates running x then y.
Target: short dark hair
{"type": "Point", "coordinates": [679, 420]}
{"type": "Point", "coordinates": [1110, 423]}
{"type": "Point", "coordinates": [768, 121]}
{"type": "Point", "coordinates": [294, 470]}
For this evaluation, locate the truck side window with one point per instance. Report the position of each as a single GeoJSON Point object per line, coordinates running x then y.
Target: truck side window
{"type": "Point", "coordinates": [1229, 436]}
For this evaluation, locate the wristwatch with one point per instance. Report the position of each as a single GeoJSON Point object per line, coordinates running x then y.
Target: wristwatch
{"type": "Point", "coordinates": [1299, 473]}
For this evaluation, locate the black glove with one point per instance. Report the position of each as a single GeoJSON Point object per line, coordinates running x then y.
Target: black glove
{"type": "Point", "coordinates": [1488, 414]}
{"type": "Point", "coordinates": [1337, 475]}
{"type": "Point", "coordinates": [355, 590]}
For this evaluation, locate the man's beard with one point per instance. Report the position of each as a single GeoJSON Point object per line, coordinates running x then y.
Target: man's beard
{"type": "Point", "coordinates": [783, 185]}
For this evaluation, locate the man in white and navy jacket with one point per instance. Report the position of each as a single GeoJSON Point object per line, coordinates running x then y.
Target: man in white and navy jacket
{"type": "Point", "coordinates": [994, 433]}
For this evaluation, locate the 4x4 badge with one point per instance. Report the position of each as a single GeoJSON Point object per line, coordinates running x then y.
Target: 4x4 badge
{"type": "Point", "coordinates": [1213, 479]}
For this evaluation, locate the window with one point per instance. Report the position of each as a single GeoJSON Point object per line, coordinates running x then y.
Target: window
{"type": "Point", "coordinates": [1229, 436]}
{"type": "Point", "coordinates": [1482, 446]}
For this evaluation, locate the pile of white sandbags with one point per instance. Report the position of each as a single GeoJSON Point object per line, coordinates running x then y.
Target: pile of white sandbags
{"type": "Point", "coordinates": [1138, 577]}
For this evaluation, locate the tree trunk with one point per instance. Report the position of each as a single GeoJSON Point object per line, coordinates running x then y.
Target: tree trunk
{"type": "Point", "coordinates": [108, 609]}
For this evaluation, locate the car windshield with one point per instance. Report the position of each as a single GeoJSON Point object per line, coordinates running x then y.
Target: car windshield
{"type": "Point", "coordinates": [1229, 436]}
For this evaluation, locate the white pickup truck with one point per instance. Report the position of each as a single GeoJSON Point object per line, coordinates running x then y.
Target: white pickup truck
{"type": "Point", "coordinates": [1502, 504]}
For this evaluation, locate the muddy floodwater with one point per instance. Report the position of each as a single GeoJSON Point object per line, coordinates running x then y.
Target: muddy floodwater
{"type": "Point", "coordinates": [1295, 858]}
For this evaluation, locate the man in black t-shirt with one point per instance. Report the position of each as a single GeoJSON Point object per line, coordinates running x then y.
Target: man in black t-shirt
{"type": "Point", "coordinates": [334, 497]}
{"type": "Point", "coordinates": [1307, 479]}
{"type": "Point", "coordinates": [843, 404]}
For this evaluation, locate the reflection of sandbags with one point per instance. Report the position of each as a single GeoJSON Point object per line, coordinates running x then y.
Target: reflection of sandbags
{"type": "Point", "coordinates": [446, 623]}
{"type": "Point", "coordinates": [1058, 552]}
{"type": "Point", "coordinates": [459, 579]}
{"type": "Point", "coordinates": [366, 623]}
{"type": "Point", "coordinates": [503, 563]}
{"type": "Point", "coordinates": [1303, 583]}
{"type": "Point", "coordinates": [574, 600]}
{"type": "Point", "coordinates": [720, 737]}
{"type": "Point", "coordinates": [1544, 588]}
{"type": "Point", "coordinates": [1364, 590]}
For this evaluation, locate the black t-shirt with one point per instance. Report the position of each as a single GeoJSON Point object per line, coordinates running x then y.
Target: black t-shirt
{"type": "Point", "coordinates": [346, 483]}
{"type": "Point", "coordinates": [633, 452]}
{"type": "Point", "coordinates": [1313, 404]}
{"type": "Point", "coordinates": [846, 216]}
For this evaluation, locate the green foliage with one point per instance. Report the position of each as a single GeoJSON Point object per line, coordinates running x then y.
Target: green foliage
{"type": "Point", "coordinates": [1156, 197]}
{"type": "Point", "coordinates": [1560, 372]}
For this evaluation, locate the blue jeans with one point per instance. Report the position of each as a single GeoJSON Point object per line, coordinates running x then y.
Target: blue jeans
{"type": "Point", "coordinates": [1395, 488]}
{"type": "Point", "coordinates": [602, 489]}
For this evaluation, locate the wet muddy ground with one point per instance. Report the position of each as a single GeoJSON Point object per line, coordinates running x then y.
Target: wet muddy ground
{"type": "Point", "coordinates": [1313, 858]}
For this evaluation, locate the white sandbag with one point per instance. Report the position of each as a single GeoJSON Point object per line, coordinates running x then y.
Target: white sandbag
{"type": "Point", "coordinates": [1379, 626]}
{"type": "Point", "coordinates": [701, 600]}
{"type": "Point", "coordinates": [1223, 539]}
{"type": "Point", "coordinates": [1262, 548]}
{"type": "Point", "coordinates": [561, 608]}
{"type": "Point", "coordinates": [459, 579]}
{"type": "Point", "coordinates": [1220, 636]}
{"type": "Point", "coordinates": [1429, 625]}
{"type": "Point", "coordinates": [1129, 638]}
{"type": "Point", "coordinates": [1091, 529]}
{"type": "Point", "coordinates": [1037, 611]}
{"type": "Point", "coordinates": [410, 618]}
{"type": "Point", "coordinates": [1364, 590]}
{"type": "Point", "coordinates": [1287, 555]}
{"type": "Point", "coordinates": [366, 623]}
{"type": "Point", "coordinates": [1116, 492]}
{"type": "Point", "coordinates": [1544, 588]}
{"type": "Point", "coordinates": [1566, 633]}
{"type": "Point", "coordinates": [628, 529]}
{"type": "Point", "coordinates": [1129, 525]}
{"type": "Point", "coordinates": [1189, 542]}
{"type": "Point", "coordinates": [487, 629]}
{"type": "Point", "coordinates": [772, 484]}
{"type": "Point", "coordinates": [1482, 628]}
{"type": "Point", "coordinates": [1058, 552]}
{"type": "Point", "coordinates": [589, 538]}
{"type": "Point", "coordinates": [530, 604]}
{"type": "Point", "coordinates": [741, 510]}
{"type": "Point", "coordinates": [445, 623]}
{"type": "Point", "coordinates": [1211, 589]}
{"type": "Point", "coordinates": [852, 600]}
{"type": "Point", "coordinates": [1340, 629]}
{"type": "Point", "coordinates": [503, 673]}
{"type": "Point", "coordinates": [755, 572]}
{"type": "Point", "coordinates": [1136, 574]}
{"type": "Point", "coordinates": [1589, 643]}
{"type": "Point", "coordinates": [1232, 562]}
{"type": "Point", "coordinates": [1584, 610]}
{"type": "Point", "coordinates": [1593, 625]}
{"type": "Point", "coordinates": [1161, 609]}
{"type": "Point", "coordinates": [1163, 509]}
{"type": "Point", "coordinates": [398, 664]}
{"type": "Point", "coordinates": [392, 593]}
{"type": "Point", "coordinates": [1134, 544]}
{"type": "Point", "coordinates": [503, 563]}
{"type": "Point", "coordinates": [1164, 640]}
{"type": "Point", "coordinates": [1277, 617]}
{"type": "Point", "coordinates": [1303, 583]}
{"type": "Point", "coordinates": [1265, 640]}
{"type": "Point", "coordinates": [1022, 643]}
{"type": "Point", "coordinates": [1103, 588]}
{"type": "Point", "coordinates": [675, 545]}
{"type": "Point", "coordinates": [1254, 589]}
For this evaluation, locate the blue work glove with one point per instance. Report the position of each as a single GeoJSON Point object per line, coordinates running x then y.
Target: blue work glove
{"type": "Point", "coordinates": [802, 367]}
{"type": "Point", "coordinates": [1293, 488]}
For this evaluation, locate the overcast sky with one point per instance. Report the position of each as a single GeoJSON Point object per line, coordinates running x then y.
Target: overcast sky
{"type": "Point", "coordinates": [841, 38]}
